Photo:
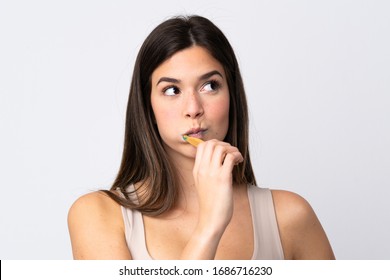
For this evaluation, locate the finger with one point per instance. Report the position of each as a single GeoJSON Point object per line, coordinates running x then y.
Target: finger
{"type": "Point", "coordinates": [198, 158]}
{"type": "Point", "coordinates": [232, 159]}
{"type": "Point", "coordinates": [206, 156]}
{"type": "Point", "coordinates": [220, 153]}
{"type": "Point", "coordinates": [212, 148]}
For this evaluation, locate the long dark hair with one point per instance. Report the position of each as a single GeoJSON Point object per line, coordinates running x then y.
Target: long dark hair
{"type": "Point", "coordinates": [144, 160]}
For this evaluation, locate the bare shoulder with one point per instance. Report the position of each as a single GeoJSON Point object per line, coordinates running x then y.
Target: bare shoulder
{"type": "Point", "coordinates": [95, 203]}
{"type": "Point", "coordinates": [301, 232]}
{"type": "Point", "coordinates": [96, 228]}
{"type": "Point", "coordinates": [291, 207]}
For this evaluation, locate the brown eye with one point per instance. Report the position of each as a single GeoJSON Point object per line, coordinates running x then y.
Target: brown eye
{"type": "Point", "coordinates": [211, 86]}
{"type": "Point", "coordinates": [171, 91]}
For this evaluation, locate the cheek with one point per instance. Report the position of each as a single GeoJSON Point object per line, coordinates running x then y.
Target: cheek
{"type": "Point", "coordinates": [220, 113]}
{"type": "Point", "coordinates": [224, 109]}
{"type": "Point", "coordinates": [164, 116]}
{"type": "Point", "coordinates": [224, 115]}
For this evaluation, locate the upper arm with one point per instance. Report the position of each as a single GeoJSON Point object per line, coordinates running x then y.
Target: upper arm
{"type": "Point", "coordinates": [96, 228]}
{"type": "Point", "coordinates": [301, 232]}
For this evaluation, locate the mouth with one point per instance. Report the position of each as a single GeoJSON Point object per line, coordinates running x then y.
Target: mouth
{"type": "Point", "coordinates": [196, 132]}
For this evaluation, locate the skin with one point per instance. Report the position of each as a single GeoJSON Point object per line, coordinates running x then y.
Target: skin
{"type": "Point", "coordinates": [212, 218]}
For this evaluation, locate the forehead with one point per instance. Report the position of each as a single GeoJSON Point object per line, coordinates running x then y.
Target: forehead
{"type": "Point", "coordinates": [187, 63]}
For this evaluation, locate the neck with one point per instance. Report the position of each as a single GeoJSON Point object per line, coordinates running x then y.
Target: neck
{"type": "Point", "coordinates": [188, 197]}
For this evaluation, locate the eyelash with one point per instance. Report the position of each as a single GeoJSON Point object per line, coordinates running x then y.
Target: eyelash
{"type": "Point", "coordinates": [214, 83]}
{"type": "Point", "coordinates": [169, 87]}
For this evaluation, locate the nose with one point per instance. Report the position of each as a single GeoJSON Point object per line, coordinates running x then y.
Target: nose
{"type": "Point", "coordinates": [193, 106]}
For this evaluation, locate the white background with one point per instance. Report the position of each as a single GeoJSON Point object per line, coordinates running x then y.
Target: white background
{"type": "Point", "coordinates": [317, 76]}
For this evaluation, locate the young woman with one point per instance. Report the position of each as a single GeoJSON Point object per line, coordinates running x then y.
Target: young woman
{"type": "Point", "coordinates": [172, 200]}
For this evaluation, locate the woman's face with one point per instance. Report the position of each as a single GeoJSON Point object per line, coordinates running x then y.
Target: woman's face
{"type": "Point", "coordinates": [190, 96]}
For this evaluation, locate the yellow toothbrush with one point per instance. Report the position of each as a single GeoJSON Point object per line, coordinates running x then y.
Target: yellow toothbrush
{"type": "Point", "coordinates": [192, 140]}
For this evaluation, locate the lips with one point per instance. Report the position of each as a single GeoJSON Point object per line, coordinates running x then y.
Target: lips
{"type": "Point", "coordinates": [196, 132]}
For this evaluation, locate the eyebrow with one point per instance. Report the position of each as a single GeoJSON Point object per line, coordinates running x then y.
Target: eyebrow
{"type": "Point", "coordinates": [202, 77]}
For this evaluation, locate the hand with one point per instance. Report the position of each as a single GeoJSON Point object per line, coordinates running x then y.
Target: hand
{"type": "Point", "coordinates": [213, 178]}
